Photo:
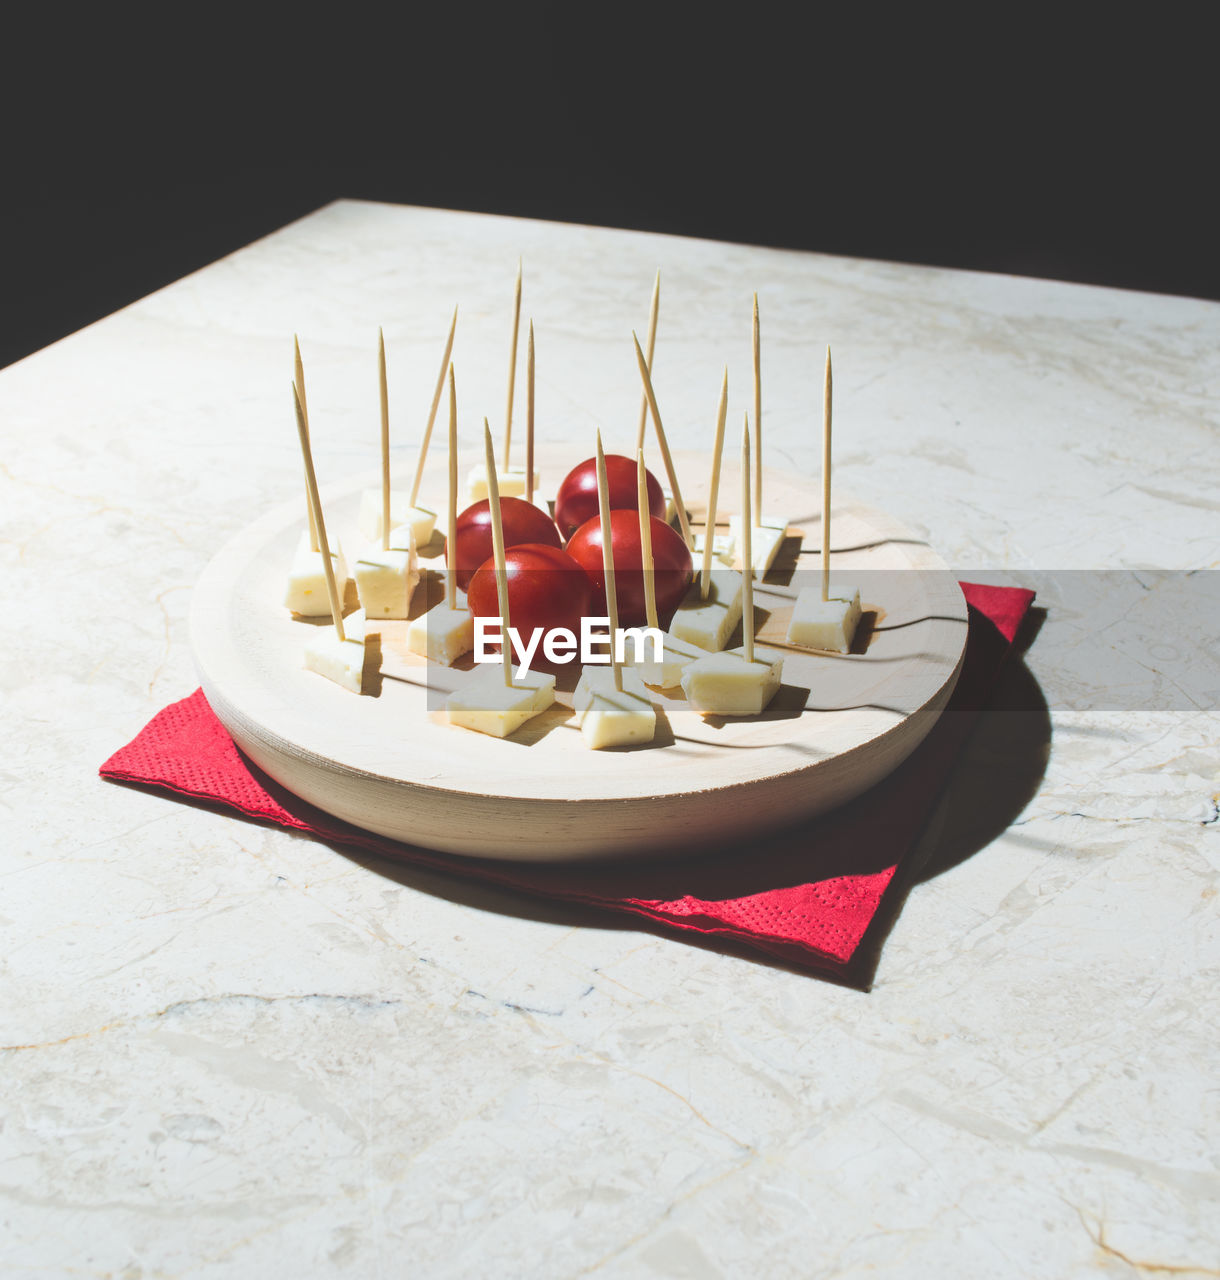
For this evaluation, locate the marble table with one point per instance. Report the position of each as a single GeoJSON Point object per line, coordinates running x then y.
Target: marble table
{"type": "Point", "coordinates": [228, 1051]}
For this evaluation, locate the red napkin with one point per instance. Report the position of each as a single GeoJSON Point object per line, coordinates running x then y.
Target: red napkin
{"type": "Point", "coordinates": [808, 898]}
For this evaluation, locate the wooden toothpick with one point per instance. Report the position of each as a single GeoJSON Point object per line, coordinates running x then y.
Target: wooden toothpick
{"type": "Point", "coordinates": [512, 367]}
{"type": "Point", "coordinates": [713, 488]}
{"type": "Point", "coordinates": [497, 544]}
{"type": "Point", "coordinates": [757, 415]}
{"type": "Point", "coordinates": [315, 505]}
{"type": "Point", "coordinates": [451, 532]}
{"type": "Point", "coordinates": [650, 395]}
{"type": "Point", "coordinates": [529, 416]}
{"type": "Point", "coordinates": [747, 560]}
{"type": "Point", "coordinates": [646, 565]}
{"type": "Point", "coordinates": [298, 373]}
{"type": "Point", "coordinates": [436, 399]}
{"type": "Point", "coordinates": [385, 442]}
{"type": "Point", "coordinates": [826, 394]}
{"type": "Point", "coordinates": [652, 343]}
{"type": "Point", "coordinates": [603, 513]}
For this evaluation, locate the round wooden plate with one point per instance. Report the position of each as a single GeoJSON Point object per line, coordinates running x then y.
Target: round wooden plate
{"type": "Point", "coordinates": [388, 762]}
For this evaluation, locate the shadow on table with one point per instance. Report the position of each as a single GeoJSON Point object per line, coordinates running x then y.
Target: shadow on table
{"type": "Point", "coordinates": [995, 775]}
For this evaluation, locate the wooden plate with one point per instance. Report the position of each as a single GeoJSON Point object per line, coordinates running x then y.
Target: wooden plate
{"type": "Point", "coordinates": [388, 762]}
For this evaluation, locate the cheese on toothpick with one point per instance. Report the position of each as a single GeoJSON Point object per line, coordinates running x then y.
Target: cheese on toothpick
{"type": "Point", "coordinates": [610, 716]}
{"type": "Point", "coordinates": [338, 655]}
{"type": "Point", "coordinates": [512, 482]}
{"type": "Point", "coordinates": [739, 682]}
{"type": "Point", "coordinates": [663, 671]}
{"type": "Point", "coordinates": [486, 704]}
{"type": "Point", "coordinates": [305, 592]}
{"type": "Point", "coordinates": [825, 624]}
{"type": "Point", "coordinates": [498, 699]}
{"type": "Point", "coordinates": [730, 684]}
{"type": "Point", "coordinates": [386, 577]}
{"type": "Point", "coordinates": [766, 539]}
{"type": "Point", "coordinates": [420, 520]}
{"type": "Point", "coordinates": [446, 632]}
{"type": "Point", "coordinates": [821, 620]}
{"type": "Point", "coordinates": [340, 660]}
{"type": "Point", "coordinates": [442, 634]}
{"type": "Point", "coordinates": [612, 706]}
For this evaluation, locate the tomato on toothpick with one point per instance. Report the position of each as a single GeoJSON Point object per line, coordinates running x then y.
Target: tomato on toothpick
{"type": "Point", "coordinates": [671, 563]}
{"type": "Point", "coordinates": [576, 500]}
{"type": "Point", "coordinates": [523, 522]}
{"type": "Point", "coordinates": [546, 588]}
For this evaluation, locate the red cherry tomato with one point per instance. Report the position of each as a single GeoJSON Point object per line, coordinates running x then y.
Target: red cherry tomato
{"type": "Point", "coordinates": [576, 500]}
{"type": "Point", "coordinates": [546, 588]}
{"type": "Point", "coordinates": [523, 522]}
{"type": "Point", "coordinates": [670, 557]}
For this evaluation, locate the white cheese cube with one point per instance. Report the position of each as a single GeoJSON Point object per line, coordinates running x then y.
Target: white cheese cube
{"type": "Point", "coordinates": [709, 623]}
{"type": "Point", "coordinates": [339, 660]}
{"type": "Point", "coordinates": [386, 580]}
{"type": "Point", "coordinates": [511, 481]}
{"type": "Point", "coordinates": [825, 624]}
{"type": "Point", "coordinates": [725, 684]}
{"type": "Point", "coordinates": [724, 548]}
{"type": "Point", "coordinates": [442, 634]}
{"type": "Point", "coordinates": [610, 717]}
{"type": "Point", "coordinates": [306, 593]}
{"type": "Point", "coordinates": [485, 703]}
{"type": "Point", "coordinates": [420, 520]}
{"type": "Point", "coordinates": [666, 672]}
{"type": "Point", "coordinates": [766, 539]}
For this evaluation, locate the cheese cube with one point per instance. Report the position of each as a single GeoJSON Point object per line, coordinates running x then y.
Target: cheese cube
{"type": "Point", "coordinates": [486, 704]}
{"type": "Point", "coordinates": [825, 624]}
{"type": "Point", "coordinates": [709, 623]}
{"type": "Point", "coordinates": [442, 634]}
{"type": "Point", "coordinates": [666, 672]}
{"type": "Point", "coordinates": [725, 684]}
{"type": "Point", "coordinates": [339, 660]}
{"type": "Point", "coordinates": [610, 717]}
{"type": "Point", "coordinates": [511, 481]}
{"type": "Point", "coordinates": [420, 519]}
{"type": "Point", "coordinates": [306, 592]}
{"type": "Point", "coordinates": [386, 580]}
{"type": "Point", "coordinates": [724, 548]}
{"type": "Point", "coordinates": [766, 539]}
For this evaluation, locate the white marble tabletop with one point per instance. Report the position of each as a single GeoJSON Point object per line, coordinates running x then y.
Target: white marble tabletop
{"type": "Point", "coordinates": [228, 1051]}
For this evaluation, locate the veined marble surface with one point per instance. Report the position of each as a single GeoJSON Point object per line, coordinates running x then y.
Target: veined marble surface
{"type": "Point", "coordinates": [228, 1051]}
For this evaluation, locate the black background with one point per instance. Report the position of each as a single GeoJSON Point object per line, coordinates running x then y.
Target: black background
{"type": "Point", "coordinates": [1076, 144]}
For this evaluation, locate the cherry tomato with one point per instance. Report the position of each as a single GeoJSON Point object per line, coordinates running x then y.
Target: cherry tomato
{"type": "Point", "coordinates": [670, 557]}
{"type": "Point", "coordinates": [523, 522]}
{"type": "Point", "coordinates": [576, 500]}
{"type": "Point", "coordinates": [546, 588]}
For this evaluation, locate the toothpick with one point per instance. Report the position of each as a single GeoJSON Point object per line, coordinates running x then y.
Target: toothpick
{"type": "Point", "coordinates": [826, 393]}
{"type": "Point", "coordinates": [709, 527]}
{"type": "Point", "coordinates": [299, 376]}
{"type": "Point", "coordinates": [603, 513]}
{"type": "Point", "coordinates": [665, 454]}
{"type": "Point", "coordinates": [529, 416]}
{"type": "Point", "coordinates": [512, 367]}
{"type": "Point", "coordinates": [646, 565]}
{"type": "Point", "coordinates": [315, 505]}
{"type": "Point", "coordinates": [757, 415]}
{"type": "Point", "coordinates": [385, 442]}
{"type": "Point", "coordinates": [497, 544]}
{"type": "Point", "coordinates": [747, 560]}
{"type": "Point", "coordinates": [451, 540]}
{"type": "Point", "coordinates": [652, 342]}
{"type": "Point", "coordinates": [436, 399]}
